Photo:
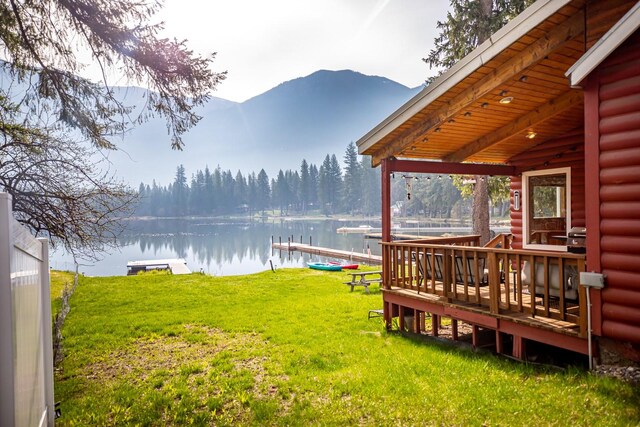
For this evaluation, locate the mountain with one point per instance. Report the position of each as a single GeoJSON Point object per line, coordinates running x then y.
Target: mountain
{"type": "Point", "coordinates": [308, 117]}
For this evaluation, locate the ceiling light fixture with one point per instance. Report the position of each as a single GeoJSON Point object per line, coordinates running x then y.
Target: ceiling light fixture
{"type": "Point", "coordinates": [506, 100]}
{"type": "Point", "coordinates": [467, 114]}
{"type": "Point", "coordinates": [531, 134]}
{"type": "Point", "coordinates": [484, 104]}
{"type": "Point", "coordinates": [503, 92]}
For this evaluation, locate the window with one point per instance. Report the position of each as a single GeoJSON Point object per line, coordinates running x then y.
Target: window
{"type": "Point", "coordinates": [546, 215]}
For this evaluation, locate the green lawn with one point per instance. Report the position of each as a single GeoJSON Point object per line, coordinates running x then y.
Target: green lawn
{"type": "Point", "coordinates": [293, 347]}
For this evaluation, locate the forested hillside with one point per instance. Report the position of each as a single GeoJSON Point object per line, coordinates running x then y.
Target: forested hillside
{"type": "Point", "coordinates": [326, 189]}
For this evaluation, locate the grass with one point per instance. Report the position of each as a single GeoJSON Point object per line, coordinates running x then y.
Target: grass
{"type": "Point", "coordinates": [293, 347]}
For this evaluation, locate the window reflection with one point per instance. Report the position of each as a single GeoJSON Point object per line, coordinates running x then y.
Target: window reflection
{"type": "Point", "coordinates": [547, 209]}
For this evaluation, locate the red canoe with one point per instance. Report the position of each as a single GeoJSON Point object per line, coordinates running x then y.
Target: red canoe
{"type": "Point", "coordinates": [345, 266]}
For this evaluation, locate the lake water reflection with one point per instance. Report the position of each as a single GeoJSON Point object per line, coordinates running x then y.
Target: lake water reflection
{"type": "Point", "coordinates": [223, 247]}
{"type": "Point", "coordinates": [220, 247]}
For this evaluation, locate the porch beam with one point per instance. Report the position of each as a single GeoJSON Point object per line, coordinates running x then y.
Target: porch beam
{"type": "Point", "coordinates": [520, 125]}
{"type": "Point", "coordinates": [418, 166]}
{"type": "Point", "coordinates": [385, 173]}
{"type": "Point", "coordinates": [537, 51]}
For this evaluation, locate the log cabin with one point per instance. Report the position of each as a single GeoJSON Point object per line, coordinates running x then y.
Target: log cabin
{"type": "Point", "coordinates": [552, 101]}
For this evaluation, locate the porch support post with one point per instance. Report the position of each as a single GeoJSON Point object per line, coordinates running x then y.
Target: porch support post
{"type": "Point", "coordinates": [519, 347]}
{"type": "Point", "coordinates": [592, 198]}
{"type": "Point", "coordinates": [417, 315]}
{"type": "Point", "coordinates": [435, 324]}
{"type": "Point", "coordinates": [386, 237]}
{"type": "Point", "coordinates": [387, 312]}
{"type": "Point", "coordinates": [499, 342]}
{"type": "Point", "coordinates": [454, 329]}
{"type": "Point", "coordinates": [401, 324]}
{"type": "Point", "coordinates": [386, 200]}
{"type": "Point", "coordinates": [475, 339]}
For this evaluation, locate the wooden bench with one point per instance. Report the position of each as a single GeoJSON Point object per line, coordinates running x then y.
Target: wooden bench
{"type": "Point", "coordinates": [360, 278]}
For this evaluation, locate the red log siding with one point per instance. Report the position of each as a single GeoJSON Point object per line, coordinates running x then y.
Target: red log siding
{"type": "Point", "coordinates": [557, 153]}
{"type": "Point", "coordinates": [619, 127]}
{"type": "Point", "coordinates": [602, 15]}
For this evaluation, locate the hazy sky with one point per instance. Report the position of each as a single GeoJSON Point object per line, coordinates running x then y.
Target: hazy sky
{"type": "Point", "coordinates": [264, 43]}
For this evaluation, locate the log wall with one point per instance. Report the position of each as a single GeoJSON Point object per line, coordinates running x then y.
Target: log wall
{"type": "Point", "coordinates": [557, 153]}
{"type": "Point", "coordinates": [618, 83]}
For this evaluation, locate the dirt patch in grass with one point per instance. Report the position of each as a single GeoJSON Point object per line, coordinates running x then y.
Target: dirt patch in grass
{"type": "Point", "coordinates": [205, 370]}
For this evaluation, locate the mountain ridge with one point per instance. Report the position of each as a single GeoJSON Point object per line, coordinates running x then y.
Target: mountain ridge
{"type": "Point", "coordinates": [306, 117]}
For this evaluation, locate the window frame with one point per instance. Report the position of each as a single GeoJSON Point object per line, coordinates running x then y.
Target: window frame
{"type": "Point", "coordinates": [526, 203]}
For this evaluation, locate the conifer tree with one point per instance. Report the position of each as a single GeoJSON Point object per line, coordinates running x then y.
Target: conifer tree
{"type": "Point", "coordinates": [469, 24]}
{"type": "Point", "coordinates": [352, 186]}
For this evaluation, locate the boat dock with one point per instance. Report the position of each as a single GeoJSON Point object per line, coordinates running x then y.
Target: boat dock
{"type": "Point", "coordinates": [328, 252]}
{"type": "Point", "coordinates": [176, 266]}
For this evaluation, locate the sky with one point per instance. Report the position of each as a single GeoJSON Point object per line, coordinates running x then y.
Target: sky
{"type": "Point", "coordinates": [264, 43]}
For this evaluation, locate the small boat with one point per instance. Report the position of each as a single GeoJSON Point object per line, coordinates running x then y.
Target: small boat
{"type": "Point", "coordinates": [324, 266]}
{"type": "Point", "coordinates": [345, 266]}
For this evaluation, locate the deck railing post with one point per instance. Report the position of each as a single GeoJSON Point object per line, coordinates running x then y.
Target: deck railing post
{"type": "Point", "coordinates": [582, 302]}
{"type": "Point", "coordinates": [494, 283]}
{"type": "Point", "coordinates": [446, 273]}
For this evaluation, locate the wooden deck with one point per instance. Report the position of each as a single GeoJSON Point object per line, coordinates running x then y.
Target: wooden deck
{"type": "Point", "coordinates": [516, 293]}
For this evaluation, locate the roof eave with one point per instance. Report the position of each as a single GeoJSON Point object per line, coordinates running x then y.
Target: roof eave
{"type": "Point", "coordinates": [533, 16]}
{"type": "Point", "coordinates": [613, 38]}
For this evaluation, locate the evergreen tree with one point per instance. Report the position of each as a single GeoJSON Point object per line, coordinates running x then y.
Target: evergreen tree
{"type": "Point", "coordinates": [228, 196]}
{"type": "Point", "coordinates": [329, 184]}
{"type": "Point", "coordinates": [218, 207]}
{"type": "Point", "coordinates": [263, 197]}
{"type": "Point", "coordinates": [252, 192]}
{"type": "Point", "coordinates": [313, 185]}
{"type": "Point", "coordinates": [293, 182]}
{"type": "Point", "coordinates": [241, 191]}
{"type": "Point", "coordinates": [304, 190]}
{"type": "Point", "coordinates": [209, 196]}
{"type": "Point", "coordinates": [179, 192]}
{"type": "Point", "coordinates": [468, 25]}
{"type": "Point", "coordinates": [280, 190]}
{"type": "Point", "coordinates": [353, 185]}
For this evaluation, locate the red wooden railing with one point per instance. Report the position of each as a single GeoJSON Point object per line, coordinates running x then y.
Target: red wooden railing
{"type": "Point", "coordinates": [504, 281]}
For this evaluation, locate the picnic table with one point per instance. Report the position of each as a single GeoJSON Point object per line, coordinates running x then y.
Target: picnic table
{"type": "Point", "coordinates": [363, 278]}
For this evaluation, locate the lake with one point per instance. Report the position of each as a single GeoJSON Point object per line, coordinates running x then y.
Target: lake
{"type": "Point", "coordinates": [229, 247]}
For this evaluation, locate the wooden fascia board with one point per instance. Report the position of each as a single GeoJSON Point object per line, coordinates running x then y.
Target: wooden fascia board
{"type": "Point", "coordinates": [523, 60]}
{"type": "Point", "coordinates": [535, 116]}
{"type": "Point", "coordinates": [419, 166]}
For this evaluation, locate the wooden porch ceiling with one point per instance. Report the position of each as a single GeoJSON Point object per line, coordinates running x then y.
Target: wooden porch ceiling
{"type": "Point", "coordinates": [467, 122]}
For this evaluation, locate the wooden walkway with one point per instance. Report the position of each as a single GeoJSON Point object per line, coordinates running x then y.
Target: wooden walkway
{"type": "Point", "coordinates": [328, 252]}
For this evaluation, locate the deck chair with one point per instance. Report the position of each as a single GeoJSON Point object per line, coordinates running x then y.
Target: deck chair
{"type": "Point", "coordinates": [571, 280]}
{"type": "Point", "coordinates": [427, 274]}
{"type": "Point", "coordinates": [471, 271]}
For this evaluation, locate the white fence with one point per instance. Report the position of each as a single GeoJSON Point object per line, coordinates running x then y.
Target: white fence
{"type": "Point", "coordinates": [26, 360]}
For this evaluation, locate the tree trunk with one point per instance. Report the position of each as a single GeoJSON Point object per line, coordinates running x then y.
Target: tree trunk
{"type": "Point", "coordinates": [480, 205]}
{"type": "Point", "coordinates": [480, 209]}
